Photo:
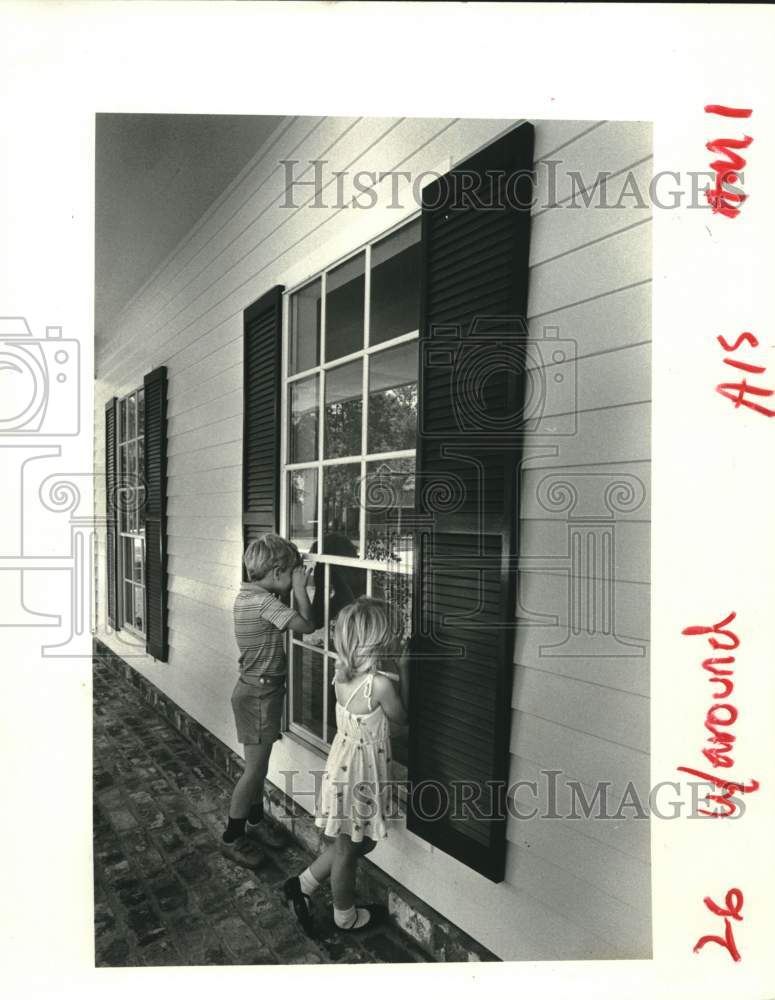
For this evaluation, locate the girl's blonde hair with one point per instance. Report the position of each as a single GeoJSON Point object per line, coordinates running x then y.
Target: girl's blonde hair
{"type": "Point", "coordinates": [365, 637]}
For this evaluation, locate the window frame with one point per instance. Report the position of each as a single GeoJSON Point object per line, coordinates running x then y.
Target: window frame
{"type": "Point", "coordinates": [366, 352]}
{"type": "Point", "coordinates": [129, 494]}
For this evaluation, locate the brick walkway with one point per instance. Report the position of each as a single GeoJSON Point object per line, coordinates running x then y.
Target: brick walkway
{"type": "Point", "coordinates": [163, 893]}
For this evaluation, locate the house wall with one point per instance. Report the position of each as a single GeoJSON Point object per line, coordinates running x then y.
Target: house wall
{"type": "Point", "coordinates": [574, 888]}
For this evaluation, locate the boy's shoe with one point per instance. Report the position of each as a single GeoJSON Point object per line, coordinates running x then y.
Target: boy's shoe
{"type": "Point", "coordinates": [298, 904]}
{"type": "Point", "coordinates": [269, 834]}
{"type": "Point", "coordinates": [244, 851]}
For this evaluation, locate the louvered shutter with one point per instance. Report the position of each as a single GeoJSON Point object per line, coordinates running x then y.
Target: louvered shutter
{"type": "Point", "coordinates": [475, 242]}
{"type": "Point", "coordinates": [261, 416]}
{"type": "Point", "coordinates": [110, 510]}
{"type": "Point", "coordinates": [155, 513]}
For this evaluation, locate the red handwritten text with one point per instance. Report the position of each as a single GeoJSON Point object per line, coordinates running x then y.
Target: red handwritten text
{"type": "Point", "coordinates": [733, 901]}
{"type": "Point", "coordinates": [719, 718]}
{"type": "Point", "coordinates": [737, 391]}
{"type": "Point", "coordinates": [723, 200]}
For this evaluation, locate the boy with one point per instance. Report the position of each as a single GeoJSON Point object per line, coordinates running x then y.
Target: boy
{"type": "Point", "coordinates": [274, 568]}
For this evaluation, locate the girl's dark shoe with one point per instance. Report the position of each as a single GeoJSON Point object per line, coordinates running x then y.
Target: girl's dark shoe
{"type": "Point", "coordinates": [375, 915]}
{"type": "Point", "coordinates": [298, 904]}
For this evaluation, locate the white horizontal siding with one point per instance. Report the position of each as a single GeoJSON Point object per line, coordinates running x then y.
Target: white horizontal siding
{"type": "Point", "coordinates": [583, 706]}
{"type": "Point", "coordinates": [629, 674]}
{"type": "Point", "coordinates": [616, 836]}
{"type": "Point", "coordinates": [543, 592]}
{"type": "Point", "coordinates": [587, 716]}
{"type": "Point", "coordinates": [590, 277]}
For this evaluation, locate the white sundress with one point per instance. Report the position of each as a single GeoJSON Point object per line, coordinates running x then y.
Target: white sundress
{"type": "Point", "coordinates": [354, 792]}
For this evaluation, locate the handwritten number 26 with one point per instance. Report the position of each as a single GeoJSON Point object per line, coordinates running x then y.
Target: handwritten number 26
{"type": "Point", "coordinates": [733, 901]}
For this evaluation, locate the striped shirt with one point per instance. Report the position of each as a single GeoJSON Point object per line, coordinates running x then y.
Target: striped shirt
{"type": "Point", "coordinates": [259, 621]}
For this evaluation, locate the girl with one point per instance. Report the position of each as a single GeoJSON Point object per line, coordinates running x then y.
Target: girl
{"type": "Point", "coordinates": [352, 806]}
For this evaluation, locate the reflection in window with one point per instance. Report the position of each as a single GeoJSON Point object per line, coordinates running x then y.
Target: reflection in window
{"type": "Point", "coordinates": [342, 502]}
{"type": "Point", "coordinates": [304, 350]}
{"type": "Point", "coordinates": [396, 590]}
{"type": "Point", "coordinates": [344, 410]}
{"type": "Point", "coordinates": [307, 682]}
{"type": "Point", "coordinates": [393, 399]}
{"type": "Point", "coordinates": [345, 287]}
{"type": "Point", "coordinates": [331, 720]}
{"type": "Point", "coordinates": [345, 583]}
{"type": "Point", "coordinates": [303, 507]}
{"type": "Point", "coordinates": [303, 409]}
{"type": "Point", "coordinates": [389, 510]}
{"type": "Point", "coordinates": [395, 285]}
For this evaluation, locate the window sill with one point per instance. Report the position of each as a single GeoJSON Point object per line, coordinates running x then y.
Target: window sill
{"type": "Point", "coordinates": [295, 737]}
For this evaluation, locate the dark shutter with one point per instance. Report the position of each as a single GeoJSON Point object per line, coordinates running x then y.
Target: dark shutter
{"type": "Point", "coordinates": [111, 409]}
{"type": "Point", "coordinates": [261, 416]}
{"type": "Point", "coordinates": [475, 243]}
{"type": "Point", "coordinates": [155, 513]}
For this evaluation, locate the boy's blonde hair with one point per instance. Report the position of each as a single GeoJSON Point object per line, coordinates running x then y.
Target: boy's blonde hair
{"type": "Point", "coordinates": [365, 637]}
{"type": "Point", "coordinates": [267, 553]}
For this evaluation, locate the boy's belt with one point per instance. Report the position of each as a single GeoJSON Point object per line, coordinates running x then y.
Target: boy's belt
{"type": "Point", "coordinates": [278, 679]}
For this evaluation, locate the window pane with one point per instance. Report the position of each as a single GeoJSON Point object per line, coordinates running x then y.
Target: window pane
{"type": "Point", "coordinates": [344, 410]}
{"type": "Point", "coordinates": [345, 583]}
{"type": "Point", "coordinates": [131, 425]}
{"type": "Point", "coordinates": [389, 505]}
{"type": "Point", "coordinates": [139, 501]}
{"type": "Point", "coordinates": [137, 554]}
{"type": "Point", "coordinates": [128, 616]}
{"type": "Point", "coordinates": [344, 308]}
{"type": "Point", "coordinates": [303, 507]}
{"type": "Point", "coordinates": [140, 412]}
{"type": "Point", "coordinates": [305, 329]}
{"type": "Point", "coordinates": [126, 561]}
{"type": "Point", "coordinates": [121, 497]}
{"type": "Point", "coordinates": [393, 398]}
{"type": "Point", "coordinates": [395, 285]}
{"type": "Point", "coordinates": [303, 409]}
{"type": "Point", "coordinates": [132, 483]}
{"type": "Point", "coordinates": [331, 720]}
{"type": "Point", "coordinates": [342, 508]}
{"type": "Point", "coordinates": [122, 420]}
{"type": "Point", "coordinates": [396, 590]}
{"type": "Point", "coordinates": [139, 610]}
{"type": "Point", "coordinates": [316, 593]}
{"type": "Point", "coordinates": [307, 708]}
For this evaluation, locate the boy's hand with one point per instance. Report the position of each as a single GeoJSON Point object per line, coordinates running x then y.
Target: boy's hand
{"type": "Point", "coordinates": [298, 577]}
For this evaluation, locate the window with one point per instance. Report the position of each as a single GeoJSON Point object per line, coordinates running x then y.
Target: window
{"type": "Point", "coordinates": [348, 459]}
{"type": "Point", "coordinates": [131, 528]}
{"type": "Point", "coordinates": [136, 512]}
{"type": "Point", "coordinates": [347, 411]}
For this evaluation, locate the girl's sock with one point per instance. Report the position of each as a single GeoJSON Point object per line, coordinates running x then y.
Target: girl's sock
{"type": "Point", "coordinates": [308, 882]}
{"type": "Point", "coordinates": [352, 919]}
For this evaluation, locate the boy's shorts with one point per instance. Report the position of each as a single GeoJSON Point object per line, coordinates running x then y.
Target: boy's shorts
{"type": "Point", "coordinates": [258, 710]}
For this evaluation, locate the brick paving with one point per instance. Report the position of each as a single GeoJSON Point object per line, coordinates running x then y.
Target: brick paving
{"type": "Point", "coordinates": [163, 893]}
